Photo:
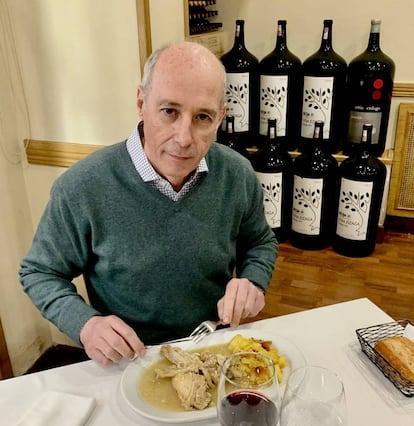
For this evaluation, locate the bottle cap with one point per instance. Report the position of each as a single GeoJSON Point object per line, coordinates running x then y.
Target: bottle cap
{"type": "Point", "coordinates": [375, 25]}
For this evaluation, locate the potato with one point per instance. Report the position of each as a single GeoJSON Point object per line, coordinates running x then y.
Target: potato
{"type": "Point", "coordinates": [265, 347]}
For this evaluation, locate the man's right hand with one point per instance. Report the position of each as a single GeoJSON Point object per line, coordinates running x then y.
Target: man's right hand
{"type": "Point", "coordinates": [108, 339]}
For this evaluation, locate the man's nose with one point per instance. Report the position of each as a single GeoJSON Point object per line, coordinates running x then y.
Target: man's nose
{"type": "Point", "coordinates": [184, 131]}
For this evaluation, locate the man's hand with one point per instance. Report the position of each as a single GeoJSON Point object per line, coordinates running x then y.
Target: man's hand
{"type": "Point", "coordinates": [241, 300]}
{"type": "Point", "coordinates": [107, 339]}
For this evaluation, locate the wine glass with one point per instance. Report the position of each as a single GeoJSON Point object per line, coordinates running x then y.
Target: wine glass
{"type": "Point", "coordinates": [314, 396]}
{"type": "Point", "coordinates": [248, 391]}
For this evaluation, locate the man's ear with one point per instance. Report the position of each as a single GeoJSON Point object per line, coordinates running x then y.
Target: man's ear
{"type": "Point", "coordinates": [140, 101]}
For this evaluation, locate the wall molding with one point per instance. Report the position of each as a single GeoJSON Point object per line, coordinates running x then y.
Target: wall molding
{"type": "Point", "coordinates": [60, 154]}
{"type": "Point", "coordinates": [405, 90]}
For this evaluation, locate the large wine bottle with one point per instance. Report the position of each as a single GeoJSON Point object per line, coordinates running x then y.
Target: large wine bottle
{"type": "Point", "coordinates": [324, 91]}
{"type": "Point", "coordinates": [280, 91]}
{"type": "Point", "coordinates": [241, 93]}
{"type": "Point", "coordinates": [273, 166]}
{"type": "Point", "coordinates": [362, 179]}
{"type": "Point", "coordinates": [370, 81]}
{"type": "Point", "coordinates": [314, 195]}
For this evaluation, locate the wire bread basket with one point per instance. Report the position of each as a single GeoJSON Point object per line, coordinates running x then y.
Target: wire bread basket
{"type": "Point", "coordinates": [369, 336]}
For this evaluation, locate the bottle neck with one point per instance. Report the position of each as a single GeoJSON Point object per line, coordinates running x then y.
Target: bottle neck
{"type": "Point", "coordinates": [374, 42]}
{"type": "Point", "coordinates": [239, 36]}
{"type": "Point", "coordinates": [281, 36]}
{"type": "Point", "coordinates": [366, 138]}
{"type": "Point", "coordinates": [318, 137]}
{"type": "Point", "coordinates": [374, 36]}
{"type": "Point", "coordinates": [326, 42]}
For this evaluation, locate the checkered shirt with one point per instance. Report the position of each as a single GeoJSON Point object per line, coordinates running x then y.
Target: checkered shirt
{"type": "Point", "coordinates": [150, 176]}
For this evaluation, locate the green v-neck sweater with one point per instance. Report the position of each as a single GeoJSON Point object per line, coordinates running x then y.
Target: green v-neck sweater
{"type": "Point", "coordinates": [159, 265]}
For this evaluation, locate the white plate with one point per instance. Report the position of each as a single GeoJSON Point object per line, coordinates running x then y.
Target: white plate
{"type": "Point", "coordinates": [132, 374]}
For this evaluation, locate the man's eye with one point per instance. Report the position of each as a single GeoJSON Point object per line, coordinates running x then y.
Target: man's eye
{"type": "Point", "coordinates": [168, 111]}
{"type": "Point", "coordinates": [204, 117]}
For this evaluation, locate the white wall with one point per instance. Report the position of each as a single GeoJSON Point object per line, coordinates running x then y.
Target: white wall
{"type": "Point", "coordinates": [80, 66]}
{"type": "Point", "coordinates": [167, 22]}
{"type": "Point", "coordinates": [27, 335]}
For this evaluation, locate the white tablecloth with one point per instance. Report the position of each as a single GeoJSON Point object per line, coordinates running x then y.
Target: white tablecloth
{"type": "Point", "coordinates": [326, 336]}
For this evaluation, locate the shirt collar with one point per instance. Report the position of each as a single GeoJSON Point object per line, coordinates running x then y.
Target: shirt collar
{"type": "Point", "coordinates": [140, 159]}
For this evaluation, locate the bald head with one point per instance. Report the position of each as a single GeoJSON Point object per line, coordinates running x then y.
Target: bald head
{"type": "Point", "coordinates": [187, 60]}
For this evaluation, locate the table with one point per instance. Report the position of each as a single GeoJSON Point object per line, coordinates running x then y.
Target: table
{"type": "Point", "coordinates": [326, 336]}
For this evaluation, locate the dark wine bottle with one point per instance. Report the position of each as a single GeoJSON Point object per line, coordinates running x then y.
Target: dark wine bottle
{"type": "Point", "coordinates": [227, 137]}
{"type": "Point", "coordinates": [281, 84]}
{"type": "Point", "coordinates": [314, 195]}
{"type": "Point", "coordinates": [273, 166]}
{"type": "Point", "coordinates": [230, 139]}
{"type": "Point", "coordinates": [241, 93]}
{"type": "Point", "coordinates": [370, 82]}
{"type": "Point", "coordinates": [362, 180]}
{"type": "Point", "coordinates": [324, 91]}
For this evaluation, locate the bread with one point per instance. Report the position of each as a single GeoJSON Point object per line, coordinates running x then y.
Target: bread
{"type": "Point", "coordinates": [399, 352]}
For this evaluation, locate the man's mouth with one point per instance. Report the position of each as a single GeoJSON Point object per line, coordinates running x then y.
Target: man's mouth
{"type": "Point", "coordinates": [181, 157]}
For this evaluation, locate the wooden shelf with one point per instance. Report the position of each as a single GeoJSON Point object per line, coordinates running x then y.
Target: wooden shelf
{"type": "Point", "coordinates": [386, 158]}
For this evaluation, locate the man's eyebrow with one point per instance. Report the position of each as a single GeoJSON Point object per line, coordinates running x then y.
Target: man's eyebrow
{"type": "Point", "coordinates": [209, 111]}
{"type": "Point", "coordinates": [171, 104]}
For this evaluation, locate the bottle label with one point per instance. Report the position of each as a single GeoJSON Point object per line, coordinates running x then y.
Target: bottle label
{"type": "Point", "coordinates": [354, 207]}
{"type": "Point", "coordinates": [237, 98]}
{"type": "Point", "coordinates": [273, 102]}
{"type": "Point", "coordinates": [317, 104]}
{"type": "Point", "coordinates": [307, 205]}
{"type": "Point", "coordinates": [272, 197]}
{"type": "Point", "coordinates": [364, 115]}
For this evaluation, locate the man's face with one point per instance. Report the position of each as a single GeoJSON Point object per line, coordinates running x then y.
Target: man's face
{"type": "Point", "coordinates": [181, 114]}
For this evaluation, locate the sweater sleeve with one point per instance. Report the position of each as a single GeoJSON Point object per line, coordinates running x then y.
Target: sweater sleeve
{"type": "Point", "coordinates": [58, 254]}
{"type": "Point", "coordinates": [257, 247]}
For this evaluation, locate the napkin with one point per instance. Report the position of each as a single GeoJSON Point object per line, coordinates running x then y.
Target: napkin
{"type": "Point", "coordinates": [58, 409]}
{"type": "Point", "coordinates": [409, 332]}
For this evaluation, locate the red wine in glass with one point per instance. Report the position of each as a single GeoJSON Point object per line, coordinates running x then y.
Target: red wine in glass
{"type": "Point", "coordinates": [247, 408]}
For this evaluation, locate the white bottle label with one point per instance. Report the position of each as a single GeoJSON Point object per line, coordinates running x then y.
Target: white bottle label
{"type": "Point", "coordinates": [237, 98]}
{"type": "Point", "coordinates": [273, 102]}
{"type": "Point", "coordinates": [307, 205]}
{"type": "Point", "coordinates": [317, 104]}
{"type": "Point", "coordinates": [358, 118]}
{"type": "Point", "coordinates": [353, 212]}
{"type": "Point", "coordinates": [272, 197]}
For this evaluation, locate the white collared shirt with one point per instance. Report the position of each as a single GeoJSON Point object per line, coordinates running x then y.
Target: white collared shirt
{"type": "Point", "coordinates": [150, 176]}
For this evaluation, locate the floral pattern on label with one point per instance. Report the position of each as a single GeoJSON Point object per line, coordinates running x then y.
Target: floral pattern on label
{"type": "Point", "coordinates": [271, 184]}
{"type": "Point", "coordinates": [307, 205]}
{"type": "Point", "coordinates": [353, 211]}
{"type": "Point", "coordinates": [273, 102]}
{"type": "Point", "coordinates": [317, 104]}
{"type": "Point", "coordinates": [237, 99]}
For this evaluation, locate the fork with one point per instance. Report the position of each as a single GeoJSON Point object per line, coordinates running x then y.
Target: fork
{"type": "Point", "coordinates": [203, 330]}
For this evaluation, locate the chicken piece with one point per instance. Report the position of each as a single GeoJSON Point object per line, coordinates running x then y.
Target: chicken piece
{"type": "Point", "coordinates": [211, 367]}
{"type": "Point", "coordinates": [179, 357]}
{"type": "Point", "coordinates": [183, 361]}
{"type": "Point", "coordinates": [169, 372]}
{"type": "Point", "coordinates": [192, 390]}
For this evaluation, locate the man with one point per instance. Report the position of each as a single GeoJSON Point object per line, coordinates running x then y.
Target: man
{"type": "Point", "coordinates": [157, 224]}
